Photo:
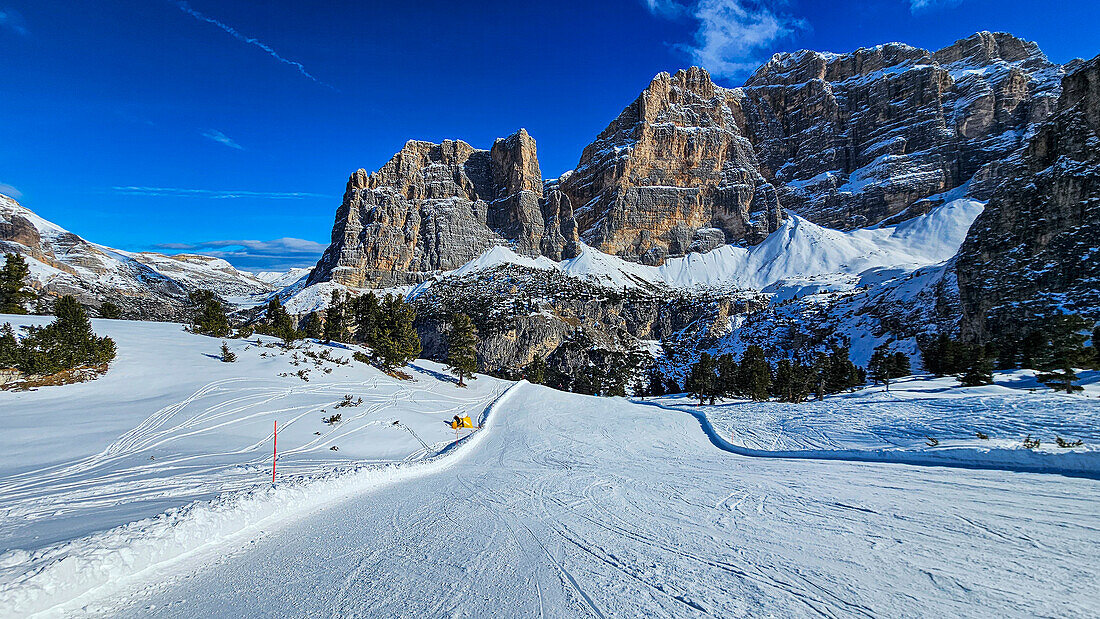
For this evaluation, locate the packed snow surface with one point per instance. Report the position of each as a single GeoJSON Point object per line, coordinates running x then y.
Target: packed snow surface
{"type": "Point", "coordinates": [799, 250]}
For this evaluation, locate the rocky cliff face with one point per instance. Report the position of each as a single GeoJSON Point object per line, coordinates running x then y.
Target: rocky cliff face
{"type": "Point", "coordinates": [672, 174]}
{"type": "Point", "coordinates": [437, 206]}
{"type": "Point", "coordinates": [1033, 249]}
{"type": "Point", "coordinates": [844, 140]}
{"type": "Point", "coordinates": [852, 139]}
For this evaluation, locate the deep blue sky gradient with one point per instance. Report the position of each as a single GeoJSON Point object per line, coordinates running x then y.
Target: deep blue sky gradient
{"type": "Point", "coordinates": [101, 95]}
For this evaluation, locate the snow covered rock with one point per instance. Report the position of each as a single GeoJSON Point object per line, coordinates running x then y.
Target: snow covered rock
{"type": "Point", "coordinates": [145, 285]}
{"type": "Point", "coordinates": [1034, 250]}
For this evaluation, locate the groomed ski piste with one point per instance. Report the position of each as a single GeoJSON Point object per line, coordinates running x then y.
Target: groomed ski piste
{"type": "Point", "coordinates": [147, 492]}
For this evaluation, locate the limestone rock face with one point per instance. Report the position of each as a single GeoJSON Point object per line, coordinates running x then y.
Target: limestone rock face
{"type": "Point", "coordinates": [1033, 250]}
{"type": "Point", "coordinates": [435, 207]}
{"type": "Point", "coordinates": [852, 139]}
{"type": "Point", "coordinates": [673, 173]}
{"type": "Point", "coordinates": [844, 140]}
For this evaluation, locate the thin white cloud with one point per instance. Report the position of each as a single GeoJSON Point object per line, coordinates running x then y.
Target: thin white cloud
{"type": "Point", "coordinates": [918, 6]}
{"type": "Point", "coordinates": [12, 20]}
{"type": "Point", "coordinates": [221, 138]}
{"type": "Point", "coordinates": [10, 191]}
{"type": "Point", "coordinates": [666, 8]}
{"type": "Point", "coordinates": [176, 192]}
{"type": "Point", "coordinates": [276, 254]}
{"type": "Point", "coordinates": [231, 31]}
{"type": "Point", "coordinates": [731, 34]}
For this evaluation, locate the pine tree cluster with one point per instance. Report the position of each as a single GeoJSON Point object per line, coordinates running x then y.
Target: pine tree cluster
{"type": "Point", "coordinates": [385, 325]}
{"type": "Point", "coordinates": [971, 364]}
{"type": "Point", "coordinates": [752, 377]}
{"type": "Point", "coordinates": [68, 342]}
{"type": "Point", "coordinates": [887, 364]}
{"type": "Point", "coordinates": [208, 314]}
{"type": "Point", "coordinates": [1055, 346]}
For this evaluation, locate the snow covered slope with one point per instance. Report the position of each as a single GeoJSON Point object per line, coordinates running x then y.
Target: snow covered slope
{"type": "Point", "coordinates": [798, 255]}
{"type": "Point", "coordinates": [575, 506]}
{"type": "Point", "coordinates": [799, 250]}
{"type": "Point", "coordinates": [144, 284]}
{"type": "Point", "coordinates": [170, 423]}
{"type": "Point", "coordinates": [896, 426]}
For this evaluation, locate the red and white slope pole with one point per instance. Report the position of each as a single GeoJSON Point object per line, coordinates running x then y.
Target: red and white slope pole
{"type": "Point", "coordinates": [274, 451]}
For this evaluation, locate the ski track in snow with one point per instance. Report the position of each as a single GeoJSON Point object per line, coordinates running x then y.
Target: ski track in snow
{"type": "Point", "coordinates": [578, 506]}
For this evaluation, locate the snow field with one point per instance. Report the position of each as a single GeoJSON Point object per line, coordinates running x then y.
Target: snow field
{"type": "Point", "coordinates": [60, 579]}
{"type": "Point", "coordinates": [879, 426]}
{"type": "Point", "coordinates": [171, 425]}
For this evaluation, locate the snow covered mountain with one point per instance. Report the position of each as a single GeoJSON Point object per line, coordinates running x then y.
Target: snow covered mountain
{"type": "Point", "coordinates": [142, 284]}
{"type": "Point", "coordinates": [825, 198]}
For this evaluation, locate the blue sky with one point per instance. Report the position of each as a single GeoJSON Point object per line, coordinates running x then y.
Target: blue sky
{"type": "Point", "coordinates": [231, 127]}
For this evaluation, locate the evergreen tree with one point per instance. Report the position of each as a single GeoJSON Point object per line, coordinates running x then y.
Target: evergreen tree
{"type": "Point", "coordinates": [793, 381]}
{"type": "Point", "coordinates": [842, 374]}
{"type": "Point", "coordinates": [1034, 348]}
{"type": "Point", "coordinates": [1064, 351]}
{"type": "Point", "coordinates": [462, 347]}
{"type": "Point", "coordinates": [881, 365]}
{"type": "Point", "coordinates": [702, 381]}
{"type": "Point", "coordinates": [727, 375]}
{"type": "Point", "coordinates": [335, 319]}
{"type": "Point", "coordinates": [208, 317]}
{"type": "Point", "coordinates": [312, 326]}
{"type": "Point", "coordinates": [228, 356]}
{"type": "Point", "coordinates": [536, 371]}
{"type": "Point", "coordinates": [783, 385]}
{"type": "Point", "coordinates": [368, 317]}
{"type": "Point", "coordinates": [109, 310]}
{"type": "Point", "coordinates": [393, 339]}
{"type": "Point", "coordinates": [753, 374]}
{"type": "Point", "coordinates": [975, 365]}
{"type": "Point", "coordinates": [9, 348]}
{"type": "Point", "coordinates": [66, 343]}
{"type": "Point", "coordinates": [14, 293]}
{"type": "Point", "coordinates": [656, 385]}
{"type": "Point", "coordinates": [280, 324]}
{"type": "Point", "coordinates": [900, 365]}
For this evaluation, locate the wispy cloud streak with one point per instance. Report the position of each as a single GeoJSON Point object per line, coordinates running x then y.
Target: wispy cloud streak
{"type": "Point", "coordinates": [176, 192]}
{"type": "Point", "coordinates": [222, 138]}
{"type": "Point", "coordinates": [12, 20]}
{"type": "Point", "coordinates": [276, 254]}
{"type": "Point", "coordinates": [233, 32]}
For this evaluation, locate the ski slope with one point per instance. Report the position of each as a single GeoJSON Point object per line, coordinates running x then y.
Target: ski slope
{"type": "Point", "coordinates": [578, 506]}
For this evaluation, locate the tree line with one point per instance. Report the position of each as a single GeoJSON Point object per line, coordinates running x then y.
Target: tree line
{"type": "Point", "coordinates": [752, 377]}
{"type": "Point", "coordinates": [1054, 346]}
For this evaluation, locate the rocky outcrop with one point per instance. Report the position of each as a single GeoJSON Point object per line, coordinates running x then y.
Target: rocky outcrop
{"type": "Point", "coordinates": [672, 174]}
{"type": "Point", "coordinates": [434, 207]}
{"type": "Point", "coordinates": [1032, 251]}
{"type": "Point", "coordinates": [852, 139]}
